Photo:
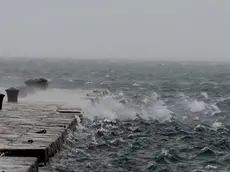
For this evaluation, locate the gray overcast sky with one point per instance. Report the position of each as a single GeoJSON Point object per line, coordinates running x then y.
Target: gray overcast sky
{"type": "Point", "coordinates": [153, 29]}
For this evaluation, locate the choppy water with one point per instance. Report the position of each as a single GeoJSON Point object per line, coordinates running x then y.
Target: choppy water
{"type": "Point", "coordinates": [160, 116]}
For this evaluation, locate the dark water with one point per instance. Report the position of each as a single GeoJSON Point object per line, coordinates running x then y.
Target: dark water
{"type": "Point", "coordinates": [160, 116]}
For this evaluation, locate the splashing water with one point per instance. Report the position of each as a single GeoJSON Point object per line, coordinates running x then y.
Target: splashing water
{"type": "Point", "coordinates": [205, 95]}
{"type": "Point", "coordinates": [196, 106]}
{"type": "Point", "coordinates": [110, 106]}
{"type": "Point", "coordinates": [154, 108]}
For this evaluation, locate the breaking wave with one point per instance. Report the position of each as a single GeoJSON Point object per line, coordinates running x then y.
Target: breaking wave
{"type": "Point", "coordinates": [196, 106]}
{"type": "Point", "coordinates": [155, 108]}
{"type": "Point", "coordinates": [119, 106]}
{"type": "Point", "coordinates": [113, 106]}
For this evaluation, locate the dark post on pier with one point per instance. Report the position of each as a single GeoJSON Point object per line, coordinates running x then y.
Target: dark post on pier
{"type": "Point", "coordinates": [12, 94]}
{"type": "Point", "coordinates": [1, 100]}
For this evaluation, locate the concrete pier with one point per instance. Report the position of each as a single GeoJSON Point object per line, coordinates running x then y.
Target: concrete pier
{"type": "Point", "coordinates": [34, 130]}
{"type": "Point", "coordinates": [18, 164]}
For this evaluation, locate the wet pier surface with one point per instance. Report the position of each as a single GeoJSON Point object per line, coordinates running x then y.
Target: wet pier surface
{"type": "Point", "coordinates": [18, 164]}
{"type": "Point", "coordinates": [33, 130]}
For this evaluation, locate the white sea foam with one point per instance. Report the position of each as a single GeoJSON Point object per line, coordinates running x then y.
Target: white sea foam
{"type": "Point", "coordinates": [211, 167]}
{"type": "Point", "coordinates": [197, 106]}
{"type": "Point", "coordinates": [156, 108]}
{"type": "Point", "coordinates": [216, 125]}
{"type": "Point", "coordinates": [204, 94]}
{"type": "Point", "coordinates": [110, 108]}
{"type": "Point", "coordinates": [136, 84]}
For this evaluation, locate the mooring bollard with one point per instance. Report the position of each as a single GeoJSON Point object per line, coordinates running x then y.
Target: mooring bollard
{"type": "Point", "coordinates": [12, 95]}
{"type": "Point", "coordinates": [1, 100]}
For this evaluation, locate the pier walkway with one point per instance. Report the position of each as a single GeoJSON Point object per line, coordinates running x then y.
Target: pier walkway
{"type": "Point", "coordinates": [32, 130]}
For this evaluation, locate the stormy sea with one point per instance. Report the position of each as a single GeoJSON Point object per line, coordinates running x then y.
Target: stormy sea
{"type": "Point", "coordinates": [158, 116]}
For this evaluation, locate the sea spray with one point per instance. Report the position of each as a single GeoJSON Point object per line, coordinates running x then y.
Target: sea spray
{"type": "Point", "coordinates": [205, 95]}
{"type": "Point", "coordinates": [154, 108]}
{"type": "Point", "coordinates": [197, 106]}
{"type": "Point", "coordinates": [69, 98]}
{"type": "Point", "coordinates": [115, 106]}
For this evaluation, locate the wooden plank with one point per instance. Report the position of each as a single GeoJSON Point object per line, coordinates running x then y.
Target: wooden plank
{"type": "Point", "coordinates": [18, 164]}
